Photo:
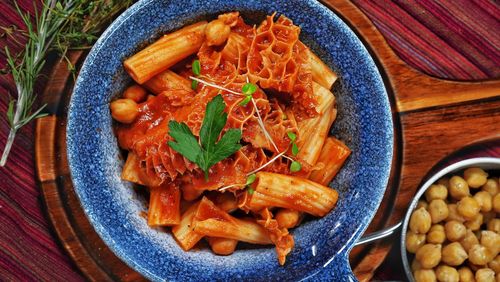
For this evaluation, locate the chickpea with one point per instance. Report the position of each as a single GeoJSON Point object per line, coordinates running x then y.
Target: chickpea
{"type": "Point", "coordinates": [420, 221]}
{"type": "Point", "coordinates": [222, 246]}
{"type": "Point", "coordinates": [414, 241]}
{"type": "Point", "coordinates": [491, 186]}
{"type": "Point", "coordinates": [429, 255]}
{"type": "Point", "coordinates": [124, 110]}
{"type": "Point", "coordinates": [465, 274]}
{"type": "Point", "coordinates": [494, 225]}
{"type": "Point", "coordinates": [287, 218]}
{"type": "Point", "coordinates": [475, 177]}
{"type": "Point", "coordinates": [458, 187]}
{"type": "Point", "coordinates": [495, 264]}
{"type": "Point", "coordinates": [136, 93]}
{"type": "Point", "coordinates": [217, 32]}
{"type": "Point", "coordinates": [475, 223]}
{"type": "Point", "coordinates": [496, 203]}
{"type": "Point", "coordinates": [491, 240]}
{"type": "Point", "coordinates": [484, 200]}
{"type": "Point", "coordinates": [436, 234]}
{"type": "Point", "coordinates": [424, 275]}
{"type": "Point", "coordinates": [485, 275]}
{"type": "Point", "coordinates": [445, 181]}
{"type": "Point", "coordinates": [454, 230]}
{"type": "Point", "coordinates": [436, 191]}
{"type": "Point", "coordinates": [453, 214]}
{"type": "Point", "coordinates": [446, 273]}
{"type": "Point", "coordinates": [479, 255]}
{"type": "Point", "coordinates": [468, 207]}
{"type": "Point", "coordinates": [422, 204]}
{"type": "Point", "coordinates": [438, 210]}
{"type": "Point", "coordinates": [415, 265]}
{"type": "Point", "coordinates": [453, 254]}
{"type": "Point", "coordinates": [469, 240]}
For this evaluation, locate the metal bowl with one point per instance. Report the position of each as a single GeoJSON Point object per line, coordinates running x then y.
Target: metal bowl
{"type": "Point", "coordinates": [484, 163]}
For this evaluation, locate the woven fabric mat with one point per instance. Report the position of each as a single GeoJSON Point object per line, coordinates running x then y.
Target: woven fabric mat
{"type": "Point", "coordinates": [450, 39]}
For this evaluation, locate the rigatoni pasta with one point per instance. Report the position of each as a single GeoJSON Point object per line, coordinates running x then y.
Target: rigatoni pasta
{"type": "Point", "coordinates": [164, 53]}
{"type": "Point", "coordinates": [226, 129]}
{"type": "Point", "coordinates": [331, 159]}
{"type": "Point", "coordinates": [285, 191]}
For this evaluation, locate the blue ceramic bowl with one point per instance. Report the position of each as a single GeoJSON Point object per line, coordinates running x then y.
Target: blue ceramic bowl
{"type": "Point", "coordinates": [321, 245]}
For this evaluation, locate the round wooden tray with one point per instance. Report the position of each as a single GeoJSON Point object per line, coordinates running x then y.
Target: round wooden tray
{"type": "Point", "coordinates": [432, 118]}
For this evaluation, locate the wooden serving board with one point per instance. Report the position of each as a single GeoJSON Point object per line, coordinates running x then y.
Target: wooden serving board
{"type": "Point", "coordinates": [432, 119]}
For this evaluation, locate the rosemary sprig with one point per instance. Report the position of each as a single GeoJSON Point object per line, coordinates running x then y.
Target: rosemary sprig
{"type": "Point", "coordinates": [26, 69]}
{"type": "Point", "coordinates": [60, 25]}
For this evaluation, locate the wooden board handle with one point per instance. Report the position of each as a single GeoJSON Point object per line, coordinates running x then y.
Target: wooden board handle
{"type": "Point", "coordinates": [412, 89]}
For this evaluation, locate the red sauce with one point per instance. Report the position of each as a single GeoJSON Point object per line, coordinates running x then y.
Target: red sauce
{"type": "Point", "coordinates": [229, 67]}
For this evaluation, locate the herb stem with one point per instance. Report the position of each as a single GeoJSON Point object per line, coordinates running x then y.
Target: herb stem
{"type": "Point", "coordinates": [215, 86]}
{"type": "Point", "coordinates": [8, 146]}
{"type": "Point", "coordinates": [222, 189]}
{"type": "Point", "coordinates": [261, 123]}
{"type": "Point", "coordinates": [266, 164]}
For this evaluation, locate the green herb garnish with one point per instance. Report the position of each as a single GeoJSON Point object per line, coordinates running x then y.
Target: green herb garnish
{"type": "Point", "coordinates": [209, 152]}
{"type": "Point", "coordinates": [196, 67]}
{"type": "Point", "coordinates": [295, 166]}
{"type": "Point", "coordinates": [293, 137]}
{"type": "Point", "coordinates": [249, 89]}
{"type": "Point", "coordinates": [251, 179]}
{"type": "Point", "coordinates": [245, 101]}
{"type": "Point", "coordinates": [250, 191]}
{"type": "Point", "coordinates": [194, 84]}
{"type": "Point", "coordinates": [57, 25]}
{"type": "Point", "coordinates": [295, 149]}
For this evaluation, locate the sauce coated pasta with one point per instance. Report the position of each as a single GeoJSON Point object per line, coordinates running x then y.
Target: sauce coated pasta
{"type": "Point", "coordinates": [226, 126]}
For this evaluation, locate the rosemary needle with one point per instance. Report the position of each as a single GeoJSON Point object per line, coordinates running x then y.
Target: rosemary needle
{"type": "Point", "coordinates": [60, 25]}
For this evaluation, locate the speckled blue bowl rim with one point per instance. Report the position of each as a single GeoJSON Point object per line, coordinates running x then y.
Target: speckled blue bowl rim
{"type": "Point", "coordinates": [113, 208]}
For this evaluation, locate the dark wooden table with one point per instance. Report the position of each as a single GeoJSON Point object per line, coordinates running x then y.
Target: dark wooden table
{"type": "Point", "coordinates": [449, 39]}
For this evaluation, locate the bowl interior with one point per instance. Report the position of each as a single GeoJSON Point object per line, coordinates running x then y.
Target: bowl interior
{"type": "Point", "coordinates": [364, 122]}
{"type": "Point", "coordinates": [484, 163]}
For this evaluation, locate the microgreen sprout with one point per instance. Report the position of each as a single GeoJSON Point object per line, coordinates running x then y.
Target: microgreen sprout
{"type": "Point", "coordinates": [248, 89]}
{"type": "Point", "coordinates": [295, 166]}
{"type": "Point", "coordinates": [245, 101]}
{"type": "Point", "coordinates": [194, 84]}
{"type": "Point", "coordinates": [293, 137]}
{"type": "Point", "coordinates": [196, 67]}
{"type": "Point", "coordinates": [251, 179]}
{"type": "Point", "coordinates": [295, 149]}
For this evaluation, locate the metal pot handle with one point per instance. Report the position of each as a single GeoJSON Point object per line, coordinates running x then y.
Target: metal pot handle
{"type": "Point", "coordinates": [378, 234]}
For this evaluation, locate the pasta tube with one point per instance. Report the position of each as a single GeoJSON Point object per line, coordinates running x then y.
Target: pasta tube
{"type": "Point", "coordinates": [212, 221]}
{"type": "Point", "coordinates": [332, 157]}
{"type": "Point", "coordinates": [165, 52]}
{"type": "Point", "coordinates": [183, 232]}
{"type": "Point", "coordinates": [312, 138]}
{"type": "Point", "coordinates": [245, 230]}
{"type": "Point", "coordinates": [167, 80]}
{"type": "Point", "coordinates": [285, 191]}
{"type": "Point", "coordinates": [325, 101]}
{"type": "Point", "coordinates": [321, 73]}
{"type": "Point", "coordinates": [131, 169]}
{"type": "Point", "coordinates": [164, 205]}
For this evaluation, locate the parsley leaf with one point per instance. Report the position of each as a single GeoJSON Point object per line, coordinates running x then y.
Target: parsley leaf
{"type": "Point", "coordinates": [210, 151]}
{"type": "Point", "coordinates": [186, 145]}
